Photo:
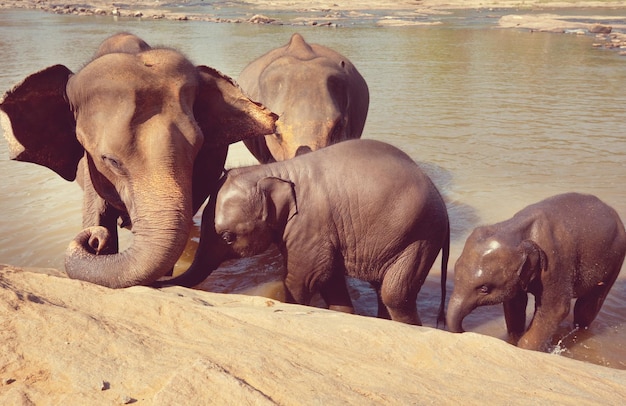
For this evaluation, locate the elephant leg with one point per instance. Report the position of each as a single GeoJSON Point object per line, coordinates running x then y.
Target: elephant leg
{"type": "Point", "coordinates": [404, 312]}
{"type": "Point", "coordinates": [404, 279]}
{"type": "Point", "coordinates": [335, 293]}
{"type": "Point", "coordinates": [587, 307]}
{"type": "Point", "coordinates": [383, 313]}
{"type": "Point", "coordinates": [306, 273]}
{"type": "Point", "coordinates": [296, 290]}
{"type": "Point", "coordinates": [97, 212]}
{"type": "Point", "coordinates": [515, 315]}
{"type": "Point", "coordinates": [399, 297]}
{"type": "Point", "coordinates": [544, 324]}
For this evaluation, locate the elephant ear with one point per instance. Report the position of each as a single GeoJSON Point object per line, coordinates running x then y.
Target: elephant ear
{"type": "Point", "coordinates": [280, 203]}
{"type": "Point", "coordinates": [534, 262]}
{"type": "Point", "coordinates": [38, 123]}
{"type": "Point", "coordinates": [225, 114]}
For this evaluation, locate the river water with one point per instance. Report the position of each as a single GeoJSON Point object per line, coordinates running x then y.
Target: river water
{"type": "Point", "coordinates": [500, 119]}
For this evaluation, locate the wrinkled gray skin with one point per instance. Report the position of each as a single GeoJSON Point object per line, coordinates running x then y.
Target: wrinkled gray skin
{"type": "Point", "coordinates": [319, 95]}
{"type": "Point", "coordinates": [360, 208]}
{"type": "Point", "coordinates": [146, 134]}
{"type": "Point", "coordinates": [567, 246]}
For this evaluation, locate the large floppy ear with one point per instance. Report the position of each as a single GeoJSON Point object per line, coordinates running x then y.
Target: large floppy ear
{"type": "Point", "coordinates": [534, 262]}
{"type": "Point", "coordinates": [279, 197]}
{"type": "Point", "coordinates": [38, 123]}
{"type": "Point", "coordinates": [224, 114]}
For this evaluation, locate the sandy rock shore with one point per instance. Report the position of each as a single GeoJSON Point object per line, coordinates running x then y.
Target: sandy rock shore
{"type": "Point", "coordinates": [69, 342]}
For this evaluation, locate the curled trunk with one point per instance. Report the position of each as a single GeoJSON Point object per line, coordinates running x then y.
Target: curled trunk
{"type": "Point", "coordinates": [161, 228]}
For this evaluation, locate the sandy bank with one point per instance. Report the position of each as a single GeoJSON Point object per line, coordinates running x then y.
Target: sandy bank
{"type": "Point", "coordinates": [65, 341]}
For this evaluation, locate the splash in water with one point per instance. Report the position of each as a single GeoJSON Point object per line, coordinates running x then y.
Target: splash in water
{"type": "Point", "coordinates": [559, 348]}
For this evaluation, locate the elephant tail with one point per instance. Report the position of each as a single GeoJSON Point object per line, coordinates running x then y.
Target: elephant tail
{"type": "Point", "coordinates": [445, 255]}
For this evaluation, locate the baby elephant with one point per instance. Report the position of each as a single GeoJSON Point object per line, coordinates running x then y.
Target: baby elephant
{"type": "Point", "coordinates": [567, 246]}
{"type": "Point", "coordinates": [360, 208]}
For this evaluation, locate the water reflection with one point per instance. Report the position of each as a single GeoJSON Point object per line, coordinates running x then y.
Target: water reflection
{"type": "Point", "coordinates": [499, 118]}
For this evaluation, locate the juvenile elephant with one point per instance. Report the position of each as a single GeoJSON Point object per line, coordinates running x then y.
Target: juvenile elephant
{"type": "Point", "coordinates": [567, 246]}
{"type": "Point", "coordinates": [360, 208]}
{"type": "Point", "coordinates": [319, 95]}
{"type": "Point", "coordinates": [146, 134]}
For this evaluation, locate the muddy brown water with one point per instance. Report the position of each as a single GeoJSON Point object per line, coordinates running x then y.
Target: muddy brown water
{"type": "Point", "coordinates": [499, 118]}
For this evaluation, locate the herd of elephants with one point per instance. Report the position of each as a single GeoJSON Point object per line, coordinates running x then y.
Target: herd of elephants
{"type": "Point", "coordinates": [146, 133]}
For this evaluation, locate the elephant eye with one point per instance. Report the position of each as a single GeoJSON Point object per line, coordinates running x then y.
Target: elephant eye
{"type": "Point", "coordinates": [228, 237]}
{"type": "Point", "coordinates": [114, 163]}
{"type": "Point", "coordinates": [278, 135]}
{"type": "Point", "coordinates": [484, 289]}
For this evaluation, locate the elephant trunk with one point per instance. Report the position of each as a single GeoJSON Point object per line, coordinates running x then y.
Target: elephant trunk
{"type": "Point", "coordinates": [160, 236]}
{"type": "Point", "coordinates": [211, 252]}
{"type": "Point", "coordinates": [457, 310]}
{"type": "Point", "coordinates": [208, 257]}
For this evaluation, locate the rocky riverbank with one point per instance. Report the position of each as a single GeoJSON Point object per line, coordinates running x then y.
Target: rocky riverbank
{"type": "Point", "coordinates": [609, 31]}
{"type": "Point", "coordinates": [65, 341]}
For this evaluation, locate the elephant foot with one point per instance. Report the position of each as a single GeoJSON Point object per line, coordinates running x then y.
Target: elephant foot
{"type": "Point", "coordinates": [405, 316]}
{"type": "Point", "coordinates": [342, 309]}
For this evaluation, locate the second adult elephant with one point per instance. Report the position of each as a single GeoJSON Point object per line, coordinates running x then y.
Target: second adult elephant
{"type": "Point", "coordinates": [319, 95]}
{"type": "Point", "coordinates": [145, 132]}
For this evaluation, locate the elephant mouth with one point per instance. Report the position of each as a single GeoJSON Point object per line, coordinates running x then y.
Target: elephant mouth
{"type": "Point", "coordinates": [124, 221]}
{"type": "Point", "coordinates": [250, 249]}
{"type": "Point", "coordinates": [303, 149]}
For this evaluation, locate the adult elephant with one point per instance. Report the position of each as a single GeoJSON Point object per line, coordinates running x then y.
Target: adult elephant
{"type": "Point", "coordinates": [146, 134]}
{"type": "Point", "coordinates": [319, 95]}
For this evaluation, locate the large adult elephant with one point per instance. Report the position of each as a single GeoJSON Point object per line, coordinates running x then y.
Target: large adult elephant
{"type": "Point", "coordinates": [319, 95]}
{"type": "Point", "coordinates": [145, 133]}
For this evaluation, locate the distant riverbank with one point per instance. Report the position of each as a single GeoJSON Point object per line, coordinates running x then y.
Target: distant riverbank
{"type": "Point", "coordinates": [533, 15]}
{"type": "Point", "coordinates": [306, 13]}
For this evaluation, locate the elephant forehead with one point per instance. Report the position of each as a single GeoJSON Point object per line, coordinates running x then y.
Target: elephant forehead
{"type": "Point", "coordinates": [293, 69]}
{"type": "Point", "coordinates": [230, 199]}
{"type": "Point", "coordinates": [151, 69]}
{"type": "Point", "coordinates": [491, 246]}
{"type": "Point", "coordinates": [167, 61]}
{"type": "Point", "coordinates": [126, 87]}
{"type": "Point", "coordinates": [231, 217]}
{"type": "Point", "coordinates": [495, 255]}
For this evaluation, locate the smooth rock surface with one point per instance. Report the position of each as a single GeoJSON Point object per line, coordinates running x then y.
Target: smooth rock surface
{"type": "Point", "coordinates": [69, 342]}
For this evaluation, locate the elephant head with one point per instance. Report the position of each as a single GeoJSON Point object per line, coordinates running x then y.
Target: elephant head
{"type": "Point", "coordinates": [490, 271]}
{"type": "Point", "coordinates": [319, 95]}
{"type": "Point", "coordinates": [146, 132]}
{"type": "Point", "coordinates": [251, 213]}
